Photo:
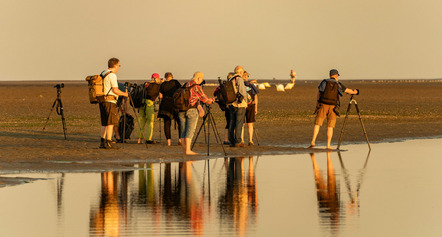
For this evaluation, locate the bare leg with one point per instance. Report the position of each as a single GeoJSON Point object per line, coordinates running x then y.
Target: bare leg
{"type": "Point", "coordinates": [185, 143]}
{"type": "Point", "coordinates": [315, 134]}
{"type": "Point", "coordinates": [226, 135]}
{"type": "Point", "coordinates": [329, 137]}
{"type": "Point", "coordinates": [103, 132]}
{"type": "Point", "coordinates": [109, 131]}
{"type": "Point", "coordinates": [250, 125]}
{"type": "Point", "coordinates": [242, 134]}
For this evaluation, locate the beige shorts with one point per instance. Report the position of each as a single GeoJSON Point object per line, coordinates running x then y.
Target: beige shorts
{"type": "Point", "coordinates": [326, 111]}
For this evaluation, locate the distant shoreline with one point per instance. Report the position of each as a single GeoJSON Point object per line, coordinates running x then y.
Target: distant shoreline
{"type": "Point", "coordinates": [211, 81]}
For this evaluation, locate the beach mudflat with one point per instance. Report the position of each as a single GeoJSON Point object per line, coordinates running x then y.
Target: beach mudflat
{"type": "Point", "coordinates": [390, 110]}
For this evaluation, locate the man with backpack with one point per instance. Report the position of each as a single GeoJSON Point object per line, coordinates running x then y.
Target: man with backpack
{"type": "Point", "coordinates": [108, 108]}
{"type": "Point", "coordinates": [329, 91]}
{"type": "Point", "coordinates": [237, 109]}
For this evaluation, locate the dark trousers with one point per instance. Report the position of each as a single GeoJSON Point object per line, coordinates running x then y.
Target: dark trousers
{"type": "Point", "coordinates": [168, 125]}
{"type": "Point", "coordinates": [237, 116]}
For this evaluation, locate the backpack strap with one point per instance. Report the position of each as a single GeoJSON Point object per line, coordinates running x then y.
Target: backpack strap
{"type": "Point", "coordinates": [105, 75]}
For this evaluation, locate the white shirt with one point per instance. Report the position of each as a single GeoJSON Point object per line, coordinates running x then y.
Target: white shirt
{"type": "Point", "coordinates": [110, 81]}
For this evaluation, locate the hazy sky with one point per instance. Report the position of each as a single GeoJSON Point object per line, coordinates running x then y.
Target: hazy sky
{"type": "Point", "coordinates": [70, 39]}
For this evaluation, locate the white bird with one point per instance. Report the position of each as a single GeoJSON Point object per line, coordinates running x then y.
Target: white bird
{"type": "Point", "coordinates": [280, 87]}
{"type": "Point", "coordinates": [289, 86]}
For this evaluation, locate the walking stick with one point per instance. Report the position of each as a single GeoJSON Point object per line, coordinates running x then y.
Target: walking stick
{"type": "Point", "coordinates": [160, 127]}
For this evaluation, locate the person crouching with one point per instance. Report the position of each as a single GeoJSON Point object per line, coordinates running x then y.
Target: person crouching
{"type": "Point", "coordinates": [189, 119]}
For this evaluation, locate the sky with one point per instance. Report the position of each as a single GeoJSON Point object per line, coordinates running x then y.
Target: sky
{"type": "Point", "coordinates": [365, 39]}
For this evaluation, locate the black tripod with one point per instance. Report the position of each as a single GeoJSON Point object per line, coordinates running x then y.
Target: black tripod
{"type": "Point", "coordinates": [208, 118]}
{"type": "Point", "coordinates": [345, 120]}
{"type": "Point", "coordinates": [59, 109]}
{"type": "Point", "coordinates": [123, 136]}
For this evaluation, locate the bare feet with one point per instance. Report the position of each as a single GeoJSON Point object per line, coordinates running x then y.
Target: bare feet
{"type": "Point", "coordinates": [329, 148]}
{"type": "Point", "coordinates": [311, 146]}
{"type": "Point", "coordinates": [190, 153]}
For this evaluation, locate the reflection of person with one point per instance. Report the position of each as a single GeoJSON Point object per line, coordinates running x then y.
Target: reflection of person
{"type": "Point", "coordinates": [252, 107]}
{"type": "Point", "coordinates": [328, 105]}
{"type": "Point", "coordinates": [189, 118]}
{"type": "Point", "coordinates": [237, 110]}
{"type": "Point", "coordinates": [108, 108]}
{"type": "Point", "coordinates": [167, 111]}
{"type": "Point", "coordinates": [190, 198]}
{"type": "Point", "coordinates": [147, 110]}
{"type": "Point", "coordinates": [328, 197]}
{"type": "Point", "coordinates": [240, 198]}
{"type": "Point", "coordinates": [111, 214]}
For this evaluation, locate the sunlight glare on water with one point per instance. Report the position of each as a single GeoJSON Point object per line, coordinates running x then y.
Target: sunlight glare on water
{"type": "Point", "coordinates": [392, 191]}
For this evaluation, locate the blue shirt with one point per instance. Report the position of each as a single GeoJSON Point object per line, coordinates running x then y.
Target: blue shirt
{"type": "Point", "coordinates": [341, 88]}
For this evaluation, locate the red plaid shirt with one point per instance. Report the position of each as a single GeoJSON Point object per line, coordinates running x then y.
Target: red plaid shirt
{"type": "Point", "coordinates": [197, 94]}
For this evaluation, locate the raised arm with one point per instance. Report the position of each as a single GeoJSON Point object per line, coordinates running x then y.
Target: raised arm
{"type": "Point", "coordinates": [351, 91]}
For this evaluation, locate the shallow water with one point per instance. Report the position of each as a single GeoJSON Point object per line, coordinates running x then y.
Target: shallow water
{"type": "Point", "coordinates": [393, 191]}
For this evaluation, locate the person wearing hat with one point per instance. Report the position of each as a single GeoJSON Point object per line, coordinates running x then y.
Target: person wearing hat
{"type": "Point", "coordinates": [237, 110]}
{"type": "Point", "coordinates": [147, 110]}
{"type": "Point", "coordinates": [329, 91]}
{"type": "Point", "coordinates": [189, 118]}
{"type": "Point", "coordinates": [252, 107]}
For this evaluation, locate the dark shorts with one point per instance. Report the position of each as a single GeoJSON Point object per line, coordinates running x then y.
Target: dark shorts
{"type": "Point", "coordinates": [326, 111]}
{"type": "Point", "coordinates": [250, 114]}
{"type": "Point", "coordinates": [108, 114]}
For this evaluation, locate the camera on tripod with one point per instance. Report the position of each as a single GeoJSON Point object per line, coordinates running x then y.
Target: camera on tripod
{"type": "Point", "coordinates": [58, 86]}
{"type": "Point", "coordinates": [128, 84]}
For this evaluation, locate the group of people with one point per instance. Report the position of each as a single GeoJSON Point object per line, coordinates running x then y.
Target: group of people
{"type": "Point", "coordinates": [242, 110]}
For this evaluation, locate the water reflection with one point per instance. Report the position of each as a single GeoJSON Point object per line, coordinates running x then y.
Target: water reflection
{"type": "Point", "coordinates": [332, 207]}
{"type": "Point", "coordinates": [239, 200]}
{"type": "Point", "coordinates": [178, 197]}
{"type": "Point", "coordinates": [341, 196]}
{"type": "Point", "coordinates": [112, 211]}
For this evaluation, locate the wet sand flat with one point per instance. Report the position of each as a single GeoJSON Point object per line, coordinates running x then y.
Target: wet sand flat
{"type": "Point", "coordinates": [390, 110]}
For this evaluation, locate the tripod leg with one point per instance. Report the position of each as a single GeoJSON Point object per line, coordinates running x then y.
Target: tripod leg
{"type": "Point", "coordinates": [215, 130]}
{"type": "Point", "coordinates": [208, 137]}
{"type": "Point", "coordinates": [343, 126]}
{"type": "Point", "coordinates": [160, 127]}
{"type": "Point", "coordinates": [196, 137]}
{"type": "Point", "coordinates": [63, 121]}
{"type": "Point", "coordinates": [136, 117]}
{"type": "Point", "coordinates": [362, 124]}
{"type": "Point", "coordinates": [52, 109]}
{"type": "Point", "coordinates": [124, 122]}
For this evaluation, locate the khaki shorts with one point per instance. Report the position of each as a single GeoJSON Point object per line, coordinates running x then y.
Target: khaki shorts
{"type": "Point", "coordinates": [108, 113]}
{"type": "Point", "coordinates": [326, 111]}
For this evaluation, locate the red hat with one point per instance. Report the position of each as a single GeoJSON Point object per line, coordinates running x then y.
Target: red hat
{"type": "Point", "coordinates": [155, 75]}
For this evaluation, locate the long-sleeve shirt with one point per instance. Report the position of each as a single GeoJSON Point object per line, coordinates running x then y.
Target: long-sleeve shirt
{"type": "Point", "coordinates": [197, 94]}
{"type": "Point", "coordinates": [242, 90]}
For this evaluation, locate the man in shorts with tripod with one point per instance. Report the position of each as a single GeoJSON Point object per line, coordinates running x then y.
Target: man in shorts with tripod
{"type": "Point", "coordinates": [108, 108]}
{"type": "Point", "coordinates": [328, 105]}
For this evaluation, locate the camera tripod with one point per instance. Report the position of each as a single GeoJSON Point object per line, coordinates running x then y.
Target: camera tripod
{"type": "Point", "coordinates": [59, 109]}
{"type": "Point", "coordinates": [208, 118]}
{"type": "Point", "coordinates": [123, 136]}
{"type": "Point", "coordinates": [360, 119]}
